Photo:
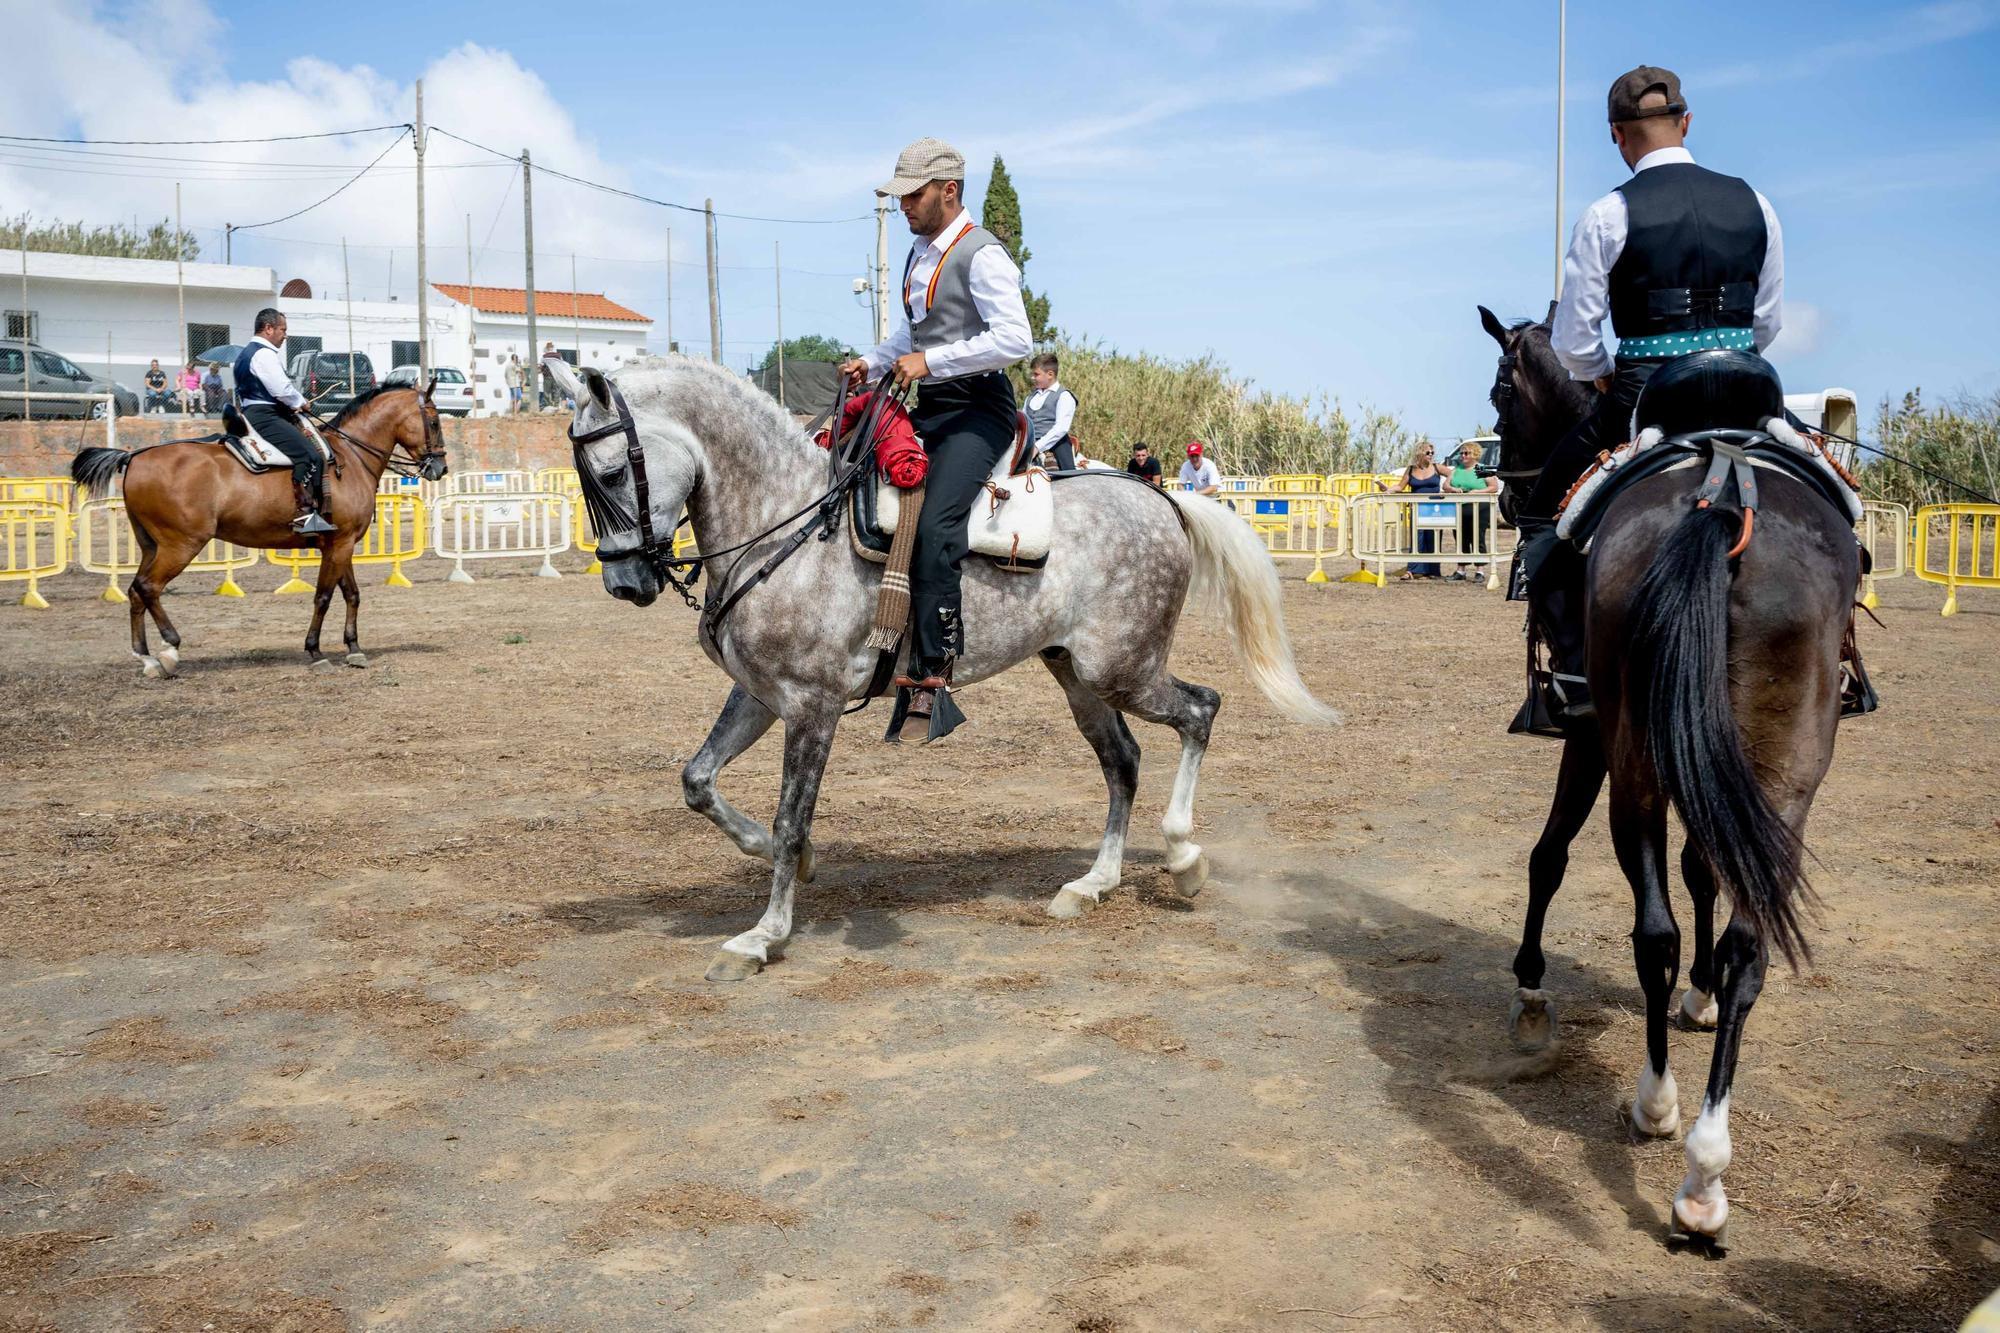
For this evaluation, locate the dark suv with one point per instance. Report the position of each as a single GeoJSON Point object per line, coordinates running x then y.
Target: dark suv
{"type": "Point", "coordinates": [322, 377]}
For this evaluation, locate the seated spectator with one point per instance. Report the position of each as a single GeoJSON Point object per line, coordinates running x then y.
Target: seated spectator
{"type": "Point", "coordinates": [211, 390]}
{"type": "Point", "coordinates": [1475, 522]}
{"type": "Point", "coordinates": [1423, 478]}
{"type": "Point", "coordinates": [190, 395]}
{"type": "Point", "coordinates": [1198, 474]}
{"type": "Point", "coordinates": [1143, 465]}
{"type": "Point", "coordinates": [156, 387]}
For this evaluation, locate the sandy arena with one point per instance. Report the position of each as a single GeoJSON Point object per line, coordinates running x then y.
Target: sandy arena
{"type": "Point", "coordinates": [375, 1001]}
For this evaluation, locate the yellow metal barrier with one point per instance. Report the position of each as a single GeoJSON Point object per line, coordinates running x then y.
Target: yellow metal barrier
{"type": "Point", "coordinates": [34, 545]}
{"type": "Point", "coordinates": [1884, 532]}
{"type": "Point", "coordinates": [563, 481]}
{"type": "Point", "coordinates": [57, 490]}
{"type": "Point", "coordinates": [106, 544]}
{"type": "Point", "coordinates": [1296, 484]}
{"type": "Point", "coordinates": [396, 535]}
{"type": "Point", "coordinates": [1294, 526]}
{"type": "Point", "coordinates": [1956, 547]}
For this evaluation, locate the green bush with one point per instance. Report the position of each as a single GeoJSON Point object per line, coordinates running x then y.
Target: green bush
{"type": "Point", "coordinates": [1960, 441]}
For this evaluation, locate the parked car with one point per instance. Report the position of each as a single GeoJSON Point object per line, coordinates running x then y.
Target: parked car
{"type": "Point", "coordinates": [454, 396]}
{"type": "Point", "coordinates": [322, 377]}
{"type": "Point", "coordinates": [36, 370]}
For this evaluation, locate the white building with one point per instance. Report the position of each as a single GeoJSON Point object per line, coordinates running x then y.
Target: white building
{"type": "Point", "coordinates": [114, 316]}
{"type": "Point", "coordinates": [491, 325]}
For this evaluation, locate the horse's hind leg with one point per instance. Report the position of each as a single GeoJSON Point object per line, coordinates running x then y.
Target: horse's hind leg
{"type": "Point", "coordinates": [1698, 1005]}
{"type": "Point", "coordinates": [1118, 753]}
{"type": "Point", "coordinates": [1190, 710]}
{"type": "Point", "coordinates": [159, 565]}
{"type": "Point", "coordinates": [350, 590]}
{"type": "Point", "coordinates": [742, 723]}
{"type": "Point", "coordinates": [1639, 832]}
{"type": "Point", "coordinates": [1531, 1020]}
{"type": "Point", "coordinates": [1701, 1208]}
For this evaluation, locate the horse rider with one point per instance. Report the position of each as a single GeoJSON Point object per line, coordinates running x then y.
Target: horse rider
{"type": "Point", "coordinates": [271, 403]}
{"type": "Point", "coordinates": [963, 323]}
{"type": "Point", "coordinates": [1051, 411]}
{"type": "Point", "coordinates": [1680, 259]}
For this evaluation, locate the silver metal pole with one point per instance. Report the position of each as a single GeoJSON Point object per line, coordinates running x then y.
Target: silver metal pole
{"type": "Point", "coordinates": [423, 270]}
{"type": "Point", "coordinates": [531, 394]}
{"type": "Point", "coordinates": [347, 288]}
{"type": "Point", "coordinates": [714, 288]}
{"type": "Point", "coordinates": [1562, 105]}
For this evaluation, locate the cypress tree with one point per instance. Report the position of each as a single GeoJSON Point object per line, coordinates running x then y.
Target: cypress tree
{"type": "Point", "coordinates": [1001, 215]}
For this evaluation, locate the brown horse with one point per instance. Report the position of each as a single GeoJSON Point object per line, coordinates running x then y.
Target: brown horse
{"type": "Point", "coordinates": [182, 495]}
{"type": "Point", "coordinates": [1716, 670]}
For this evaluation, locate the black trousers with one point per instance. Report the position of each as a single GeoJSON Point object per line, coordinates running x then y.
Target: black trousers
{"type": "Point", "coordinates": [966, 425]}
{"type": "Point", "coordinates": [279, 427]}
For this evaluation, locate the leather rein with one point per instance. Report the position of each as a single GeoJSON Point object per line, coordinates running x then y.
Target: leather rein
{"type": "Point", "coordinates": [433, 448]}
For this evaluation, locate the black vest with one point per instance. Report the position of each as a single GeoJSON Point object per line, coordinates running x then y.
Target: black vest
{"type": "Point", "coordinates": [1694, 246]}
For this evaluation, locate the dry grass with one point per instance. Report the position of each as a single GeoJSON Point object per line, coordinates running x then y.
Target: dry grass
{"type": "Point", "coordinates": [685, 1206]}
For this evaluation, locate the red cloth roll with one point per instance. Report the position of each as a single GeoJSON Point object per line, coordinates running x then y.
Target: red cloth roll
{"type": "Point", "coordinates": [897, 450]}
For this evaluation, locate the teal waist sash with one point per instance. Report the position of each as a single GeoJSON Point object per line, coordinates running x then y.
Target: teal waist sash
{"type": "Point", "coordinates": [1693, 340]}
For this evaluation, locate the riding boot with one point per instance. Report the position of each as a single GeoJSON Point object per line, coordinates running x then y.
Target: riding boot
{"type": "Point", "coordinates": [308, 521]}
{"type": "Point", "coordinates": [924, 709]}
{"type": "Point", "coordinates": [1857, 692]}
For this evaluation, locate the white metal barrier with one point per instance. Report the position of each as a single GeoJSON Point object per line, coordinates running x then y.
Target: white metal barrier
{"type": "Point", "coordinates": [507, 481]}
{"type": "Point", "coordinates": [1407, 528]}
{"type": "Point", "coordinates": [1884, 531]}
{"type": "Point", "coordinates": [1294, 525]}
{"type": "Point", "coordinates": [477, 526]}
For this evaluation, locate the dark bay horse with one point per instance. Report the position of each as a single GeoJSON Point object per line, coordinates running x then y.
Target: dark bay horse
{"type": "Point", "coordinates": [181, 496]}
{"type": "Point", "coordinates": [1717, 682]}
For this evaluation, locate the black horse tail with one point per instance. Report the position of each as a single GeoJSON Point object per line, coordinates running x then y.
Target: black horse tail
{"type": "Point", "coordinates": [1680, 657]}
{"type": "Point", "coordinates": [94, 468]}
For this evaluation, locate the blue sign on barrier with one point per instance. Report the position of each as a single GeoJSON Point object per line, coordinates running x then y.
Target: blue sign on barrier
{"type": "Point", "coordinates": [1436, 514]}
{"type": "Point", "coordinates": [1273, 506]}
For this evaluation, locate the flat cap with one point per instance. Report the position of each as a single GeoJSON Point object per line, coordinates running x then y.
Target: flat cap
{"type": "Point", "coordinates": [1631, 89]}
{"type": "Point", "coordinates": [922, 162]}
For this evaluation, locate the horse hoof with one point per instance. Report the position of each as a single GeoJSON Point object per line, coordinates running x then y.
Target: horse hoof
{"type": "Point", "coordinates": [729, 965]}
{"type": "Point", "coordinates": [322, 666]}
{"type": "Point", "coordinates": [357, 659]}
{"type": "Point", "coordinates": [150, 668]}
{"type": "Point", "coordinates": [170, 660]}
{"type": "Point", "coordinates": [1688, 1232]}
{"type": "Point", "coordinates": [1069, 904]}
{"type": "Point", "coordinates": [1661, 1125]}
{"type": "Point", "coordinates": [1531, 1020]}
{"type": "Point", "coordinates": [1188, 881]}
{"type": "Point", "coordinates": [1699, 1010]}
{"type": "Point", "coordinates": [807, 867]}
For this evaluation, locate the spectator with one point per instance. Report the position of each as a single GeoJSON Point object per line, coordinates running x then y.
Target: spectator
{"type": "Point", "coordinates": [156, 388]}
{"type": "Point", "coordinates": [1143, 465]}
{"type": "Point", "coordinates": [190, 390]}
{"type": "Point", "coordinates": [211, 390]}
{"type": "Point", "coordinates": [1198, 474]}
{"type": "Point", "coordinates": [1475, 522]}
{"type": "Point", "coordinates": [516, 377]}
{"type": "Point", "coordinates": [1423, 478]}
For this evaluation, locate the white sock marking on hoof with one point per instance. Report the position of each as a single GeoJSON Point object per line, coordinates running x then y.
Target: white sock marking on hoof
{"type": "Point", "coordinates": [1073, 900]}
{"type": "Point", "coordinates": [357, 659]}
{"type": "Point", "coordinates": [150, 667]}
{"type": "Point", "coordinates": [1699, 1009]}
{"type": "Point", "coordinates": [728, 965]}
{"type": "Point", "coordinates": [1656, 1110]}
{"type": "Point", "coordinates": [323, 666]}
{"type": "Point", "coordinates": [1531, 1020]}
{"type": "Point", "coordinates": [1701, 1208]}
{"type": "Point", "coordinates": [1189, 879]}
{"type": "Point", "coordinates": [170, 660]}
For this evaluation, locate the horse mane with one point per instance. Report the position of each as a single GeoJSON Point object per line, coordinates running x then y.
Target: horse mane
{"type": "Point", "coordinates": [743, 397]}
{"type": "Point", "coordinates": [361, 400]}
{"type": "Point", "coordinates": [1534, 349]}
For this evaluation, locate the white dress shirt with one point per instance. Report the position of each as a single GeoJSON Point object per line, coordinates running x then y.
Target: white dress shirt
{"type": "Point", "coordinates": [1199, 475]}
{"type": "Point", "coordinates": [996, 295]}
{"type": "Point", "coordinates": [1065, 414]}
{"type": "Point", "coordinates": [1581, 316]}
{"type": "Point", "coordinates": [268, 366]}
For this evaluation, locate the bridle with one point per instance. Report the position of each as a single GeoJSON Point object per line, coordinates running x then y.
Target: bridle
{"type": "Point", "coordinates": [433, 446]}
{"type": "Point", "coordinates": [850, 464]}
{"type": "Point", "coordinates": [1502, 397]}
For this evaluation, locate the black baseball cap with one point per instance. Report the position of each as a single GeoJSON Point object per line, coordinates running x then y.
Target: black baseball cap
{"type": "Point", "coordinates": [1631, 88]}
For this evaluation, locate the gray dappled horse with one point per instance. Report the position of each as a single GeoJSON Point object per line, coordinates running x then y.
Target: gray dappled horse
{"type": "Point", "coordinates": [1100, 615]}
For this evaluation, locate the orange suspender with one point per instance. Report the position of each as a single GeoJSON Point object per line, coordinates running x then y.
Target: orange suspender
{"type": "Point", "coordinates": [930, 290]}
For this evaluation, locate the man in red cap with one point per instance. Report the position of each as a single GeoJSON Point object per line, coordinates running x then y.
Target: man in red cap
{"type": "Point", "coordinates": [1198, 474]}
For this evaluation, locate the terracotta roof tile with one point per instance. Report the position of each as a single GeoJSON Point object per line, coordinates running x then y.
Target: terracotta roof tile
{"type": "Point", "coordinates": [548, 304]}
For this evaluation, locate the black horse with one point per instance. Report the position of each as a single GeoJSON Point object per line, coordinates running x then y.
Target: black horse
{"type": "Point", "coordinates": [1717, 679]}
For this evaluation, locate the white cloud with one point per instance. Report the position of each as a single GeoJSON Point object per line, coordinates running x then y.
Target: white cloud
{"type": "Point", "coordinates": [1805, 325]}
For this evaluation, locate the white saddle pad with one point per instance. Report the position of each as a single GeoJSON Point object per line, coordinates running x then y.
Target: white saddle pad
{"type": "Point", "coordinates": [269, 454]}
{"type": "Point", "coordinates": [1776, 427]}
{"type": "Point", "coordinates": [1012, 529]}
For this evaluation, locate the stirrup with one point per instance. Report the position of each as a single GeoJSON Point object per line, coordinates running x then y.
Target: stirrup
{"type": "Point", "coordinates": [310, 523]}
{"type": "Point", "coordinates": [1558, 707]}
{"type": "Point", "coordinates": [1857, 693]}
{"type": "Point", "coordinates": [906, 723]}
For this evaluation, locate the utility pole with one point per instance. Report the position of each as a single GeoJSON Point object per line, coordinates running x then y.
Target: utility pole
{"type": "Point", "coordinates": [423, 271]}
{"type": "Point", "coordinates": [533, 396]}
{"type": "Point", "coordinates": [471, 325]}
{"type": "Point", "coordinates": [881, 270]}
{"type": "Point", "coordinates": [347, 291]}
{"type": "Point", "coordinates": [228, 243]}
{"type": "Point", "coordinates": [27, 360]}
{"type": "Point", "coordinates": [180, 290]}
{"type": "Point", "coordinates": [778, 286]}
{"type": "Point", "coordinates": [1562, 98]}
{"type": "Point", "coordinates": [670, 290]}
{"type": "Point", "coordinates": [714, 293]}
{"type": "Point", "coordinates": [575, 319]}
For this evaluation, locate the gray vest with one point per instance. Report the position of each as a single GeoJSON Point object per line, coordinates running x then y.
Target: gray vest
{"type": "Point", "coordinates": [1042, 419]}
{"type": "Point", "coordinates": [949, 316]}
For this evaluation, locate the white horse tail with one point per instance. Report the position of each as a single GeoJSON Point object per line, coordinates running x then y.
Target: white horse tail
{"type": "Point", "coordinates": [1233, 574]}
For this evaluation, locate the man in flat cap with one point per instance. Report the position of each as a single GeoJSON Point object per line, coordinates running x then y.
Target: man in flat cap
{"type": "Point", "coordinates": [1680, 259]}
{"type": "Point", "coordinates": [963, 324]}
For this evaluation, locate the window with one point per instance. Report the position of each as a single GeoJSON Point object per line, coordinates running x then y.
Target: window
{"type": "Point", "coordinates": [23, 326]}
{"type": "Point", "coordinates": [402, 353]}
{"type": "Point", "coordinates": [56, 367]}
{"type": "Point", "coordinates": [298, 345]}
{"type": "Point", "coordinates": [10, 361]}
{"type": "Point", "coordinates": [201, 337]}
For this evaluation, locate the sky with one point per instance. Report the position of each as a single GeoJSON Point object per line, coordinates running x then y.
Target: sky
{"type": "Point", "coordinates": [1320, 192]}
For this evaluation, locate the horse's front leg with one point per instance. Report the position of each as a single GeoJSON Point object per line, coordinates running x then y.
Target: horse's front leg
{"type": "Point", "coordinates": [808, 741]}
{"type": "Point", "coordinates": [742, 723]}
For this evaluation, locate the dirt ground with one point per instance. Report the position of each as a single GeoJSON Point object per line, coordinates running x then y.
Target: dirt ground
{"type": "Point", "coordinates": [375, 1000]}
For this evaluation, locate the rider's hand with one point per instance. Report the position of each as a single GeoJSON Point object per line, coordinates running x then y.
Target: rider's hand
{"type": "Point", "coordinates": [856, 372]}
{"type": "Point", "coordinates": [1603, 383]}
{"type": "Point", "coordinates": [911, 367]}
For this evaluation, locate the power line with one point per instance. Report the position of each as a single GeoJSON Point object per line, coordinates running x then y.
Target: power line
{"type": "Point", "coordinates": [648, 199]}
{"type": "Point", "coordinates": [195, 143]}
{"type": "Point", "coordinates": [355, 177]}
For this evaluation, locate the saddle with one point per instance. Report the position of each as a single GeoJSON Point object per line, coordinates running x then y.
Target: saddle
{"type": "Point", "coordinates": [255, 452]}
{"type": "Point", "coordinates": [1011, 524]}
{"type": "Point", "coordinates": [1720, 405]}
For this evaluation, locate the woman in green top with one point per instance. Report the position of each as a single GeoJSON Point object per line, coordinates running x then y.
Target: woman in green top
{"type": "Point", "coordinates": [1475, 522]}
